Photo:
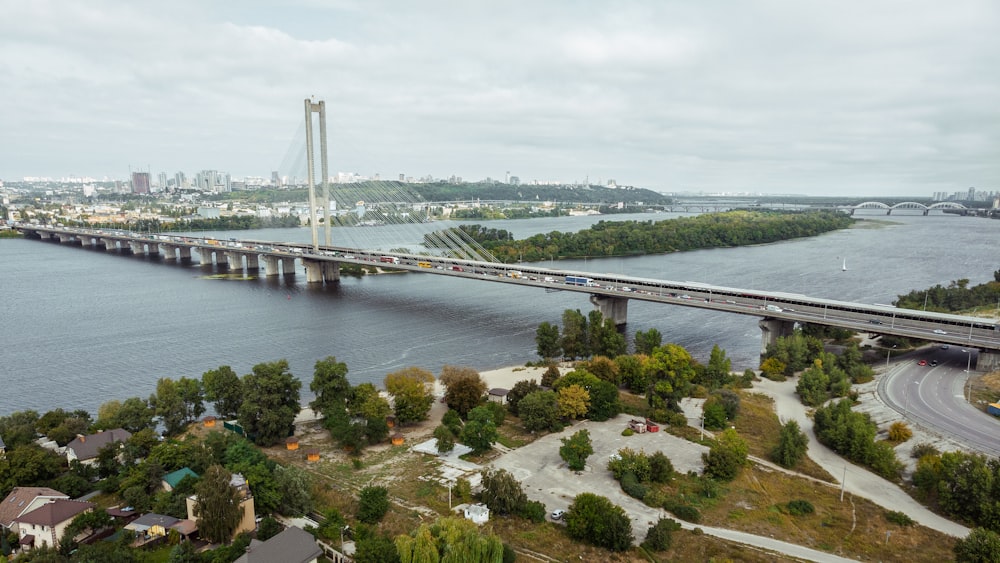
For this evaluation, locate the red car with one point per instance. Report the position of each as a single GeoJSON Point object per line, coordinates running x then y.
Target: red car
{"type": "Point", "coordinates": [922, 363]}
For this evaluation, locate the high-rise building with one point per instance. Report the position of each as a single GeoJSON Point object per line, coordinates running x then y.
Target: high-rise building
{"type": "Point", "coordinates": [162, 180]}
{"type": "Point", "coordinates": [140, 182]}
{"type": "Point", "coordinates": [275, 178]}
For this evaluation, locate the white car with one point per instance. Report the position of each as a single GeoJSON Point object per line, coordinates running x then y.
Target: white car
{"type": "Point", "coordinates": [558, 514]}
{"type": "Point", "coordinates": [939, 331]}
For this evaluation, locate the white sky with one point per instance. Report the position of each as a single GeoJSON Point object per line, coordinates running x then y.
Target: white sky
{"type": "Point", "coordinates": [858, 97]}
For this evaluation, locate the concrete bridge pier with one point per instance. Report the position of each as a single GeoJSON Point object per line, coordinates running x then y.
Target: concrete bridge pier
{"type": "Point", "coordinates": [270, 265]}
{"type": "Point", "coordinates": [153, 248]}
{"type": "Point", "coordinates": [253, 262]}
{"type": "Point", "coordinates": [137, 247]}
{"type": "Point", "coordinates": [614, 308]}
{"type": "Point", "coordinates": [331, 271]}
{"type": "Point", "coordinates": [771, 329]}
{"type": "Point", "coordinates": [288, 266]}
{"type": "Point", "coordinates": [169, 251]}
{"type": "Point", "coordinates": [234, 260]}
{"type": "Point", "coordinates": [185, 253]}
{"type": "Point", "coordinates": [110, 244]}
{"type": "Point", "coordinates": [314, 271]}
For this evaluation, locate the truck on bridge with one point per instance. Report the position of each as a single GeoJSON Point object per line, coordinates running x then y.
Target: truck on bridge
{"type": "Point", "coordinates": [579, 280]}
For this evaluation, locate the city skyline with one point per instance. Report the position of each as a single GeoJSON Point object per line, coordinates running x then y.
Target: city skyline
{"type": "Point", "coordinates": [770, 97]}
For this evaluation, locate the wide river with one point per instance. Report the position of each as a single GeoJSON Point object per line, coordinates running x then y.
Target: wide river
{"type": "Point", "coordinates": [81, 326]}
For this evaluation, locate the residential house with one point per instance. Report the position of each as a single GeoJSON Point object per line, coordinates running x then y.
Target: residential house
{"type": "Point", "coordinates": [23, 500]}
{"type": "Point", "coordinates": [45, 525]}
{"type": "Point", "coordinates": [248, 522]}
{"type": "Point", "coordinates": [85, 448]}
{"type": "Point", "coordinates": [294, 545]}
{"type": "Point", "coordinates": [3, 448]}
{"type": "Point", "coordinates": [171, 480]}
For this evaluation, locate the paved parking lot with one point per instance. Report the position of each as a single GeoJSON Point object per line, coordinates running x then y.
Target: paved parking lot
{"type": "Point", "coordinates": [545, 477]}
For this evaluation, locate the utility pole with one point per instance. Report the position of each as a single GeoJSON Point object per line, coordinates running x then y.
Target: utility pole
{"type": "Point", "coordinates": [843, 483]}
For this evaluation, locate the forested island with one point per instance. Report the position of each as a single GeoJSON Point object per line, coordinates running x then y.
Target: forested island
{"type": "Point", "coordinates": [633, 238]}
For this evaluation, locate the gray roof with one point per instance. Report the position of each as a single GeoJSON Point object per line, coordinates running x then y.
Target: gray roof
{"type": "Point", "coordinates": [294, 545]}
{"type": "Point", "coordinates": [147, 521]}
{"type": "Point", "coordinates": [87, 447]}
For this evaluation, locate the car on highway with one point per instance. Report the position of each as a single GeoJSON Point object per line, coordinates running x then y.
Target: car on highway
{"type": "Point", "coordinates": [934, 363]}
{"type": "Point", "coordinates": [922, 363]}
{"type": "Point", "coordinates": [939, 331]}
{"type": "Point", "coordinates": [558, 514]}
{"type": "Point", "coordinates": [944, 346]}
{"type": "Point", "coordinates": [875, 321]}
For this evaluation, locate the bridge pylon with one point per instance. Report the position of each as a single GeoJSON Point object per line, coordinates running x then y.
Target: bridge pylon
{"type": "Point", "coordinates": [319, 108]}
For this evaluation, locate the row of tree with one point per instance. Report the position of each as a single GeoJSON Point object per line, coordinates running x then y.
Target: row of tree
{"type": "Point", "coordinates": [957, 296]}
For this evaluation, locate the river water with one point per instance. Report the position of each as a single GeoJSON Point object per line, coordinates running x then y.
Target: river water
{"type": "Point", "coordinates": [79, 327]}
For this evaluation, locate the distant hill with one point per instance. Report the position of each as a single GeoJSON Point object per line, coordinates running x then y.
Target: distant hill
{"type": "Point", "coordinates": [443, 191]}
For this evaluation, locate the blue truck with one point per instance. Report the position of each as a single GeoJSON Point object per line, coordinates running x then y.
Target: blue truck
{"type": "Point", "coordinates": [579, 280]}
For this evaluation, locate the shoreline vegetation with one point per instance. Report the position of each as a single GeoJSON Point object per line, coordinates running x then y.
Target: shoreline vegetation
{"type": "Point", "coordinates": [634, 238]}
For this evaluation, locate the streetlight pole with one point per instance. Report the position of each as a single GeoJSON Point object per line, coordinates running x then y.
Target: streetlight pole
{"type": "Point", "coordinates": [887, 353]}
{"type": "Point", "coordinates": [968, 376]}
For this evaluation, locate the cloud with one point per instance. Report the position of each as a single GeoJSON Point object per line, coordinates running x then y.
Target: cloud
{"type": "Point", "coordinates": [855, 97]}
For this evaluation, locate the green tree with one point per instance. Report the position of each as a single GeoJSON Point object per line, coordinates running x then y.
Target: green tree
{"type": "Point", "coordinates": [295, 486]}
{"type": "Point", "coordinates": [411, 393]}
{"type": "Point", "coordinates": [268, 528]}
{"type": "Point", "coordinates": [445, 439]}
{"type": "Point", "coordinates": [464, 388]}
{"type": "Point", "coordinates": [605, 340]}
{"type": "Point", "coordinates": [218, 509]}
{"type": "Point", "coordinates": [371, 546]}
{"type": "Point", "coordinates": [373, 503]}
{"type": "Point", "coordinates": [660, 468]}
{"type": "Point", "coordinates": [453, 421]}
{"type": "Point", "coordinates": [480, 432]}
{"type": "Point", "coordinates": [575, 337]}
{"type": "Point", "coordinates": [792, 445]}
{"type": "Point", "coordinates": [602, 396]}
{"type": "Point", "coordinates": [169, 406]}
{"type": "Point", "coordinates": [980, 546]}
{"type": "Point", "coordinates": [670, 369]}
{"type": "Point", "coordinates": [27, 466]}
{"type": "Point", "coordinates": [714, 414]}
{"type": "Point", "coordinates": [632, 372]}
{"type": "Point", "coordinates": [726, 457]}
{"type": "Point", "coordinates": [548, 341]}
{"type": "Point", "coordinates": [19, 428]}
{"type": "Point", "coordinates": [596, 520]}
{"type": "Point", "coordinates": [813, 385]}
{"type": "Point", "coordinates": [270, 402]}
{"type": "Point", "coordinates": [501, 492]}
{"type": "Point", "coordinates": [224, 388]}
{"type": "Point", "coordinates": [193, 395]}
{"type": "Point", "coordinates": [540, 411]}
{"type": "Point", "coordinates": [718, 371]}
{"type": "Point", "coordinates": [576, 449]}
{"type": "Point", "coordinates": [134, 415]}
{"type": "Point", "coordinates": [330, 386]}
{"type": "Point", "coordinates": [518, 392]}
{"type": "Point", "coordinates": [647, 341]}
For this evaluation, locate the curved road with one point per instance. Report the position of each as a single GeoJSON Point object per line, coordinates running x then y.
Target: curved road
{"type": "Point", "coordinates": [934, 397]}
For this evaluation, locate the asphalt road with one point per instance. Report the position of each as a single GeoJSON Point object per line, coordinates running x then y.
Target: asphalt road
{"type": "Point", "coordinates": [934, 397]}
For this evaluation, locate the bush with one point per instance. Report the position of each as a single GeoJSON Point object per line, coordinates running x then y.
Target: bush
{"type": "Point", "coordinates": [660, 468]}
{"type": "Point", "coordinates": [627, 432]}
{"type": "Point", "coordinates": [373, 503]}
{"type": "Point", "coordinates": [685, 512]}
{"type": "Point", "coordinates": [800, 507]}
{"type": "Point", "coordinates": [658, 537]}
{"type": "Point", "coordinates": [922, 449]}
{"type": "Point", "coordinates": [632, 486]}
{"type": "Point", "coordinates": [899, 432]}
{"type": "Point", "coordinates": [533, 510]}
{"type": "Point", "coordinates": [899, 518]}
